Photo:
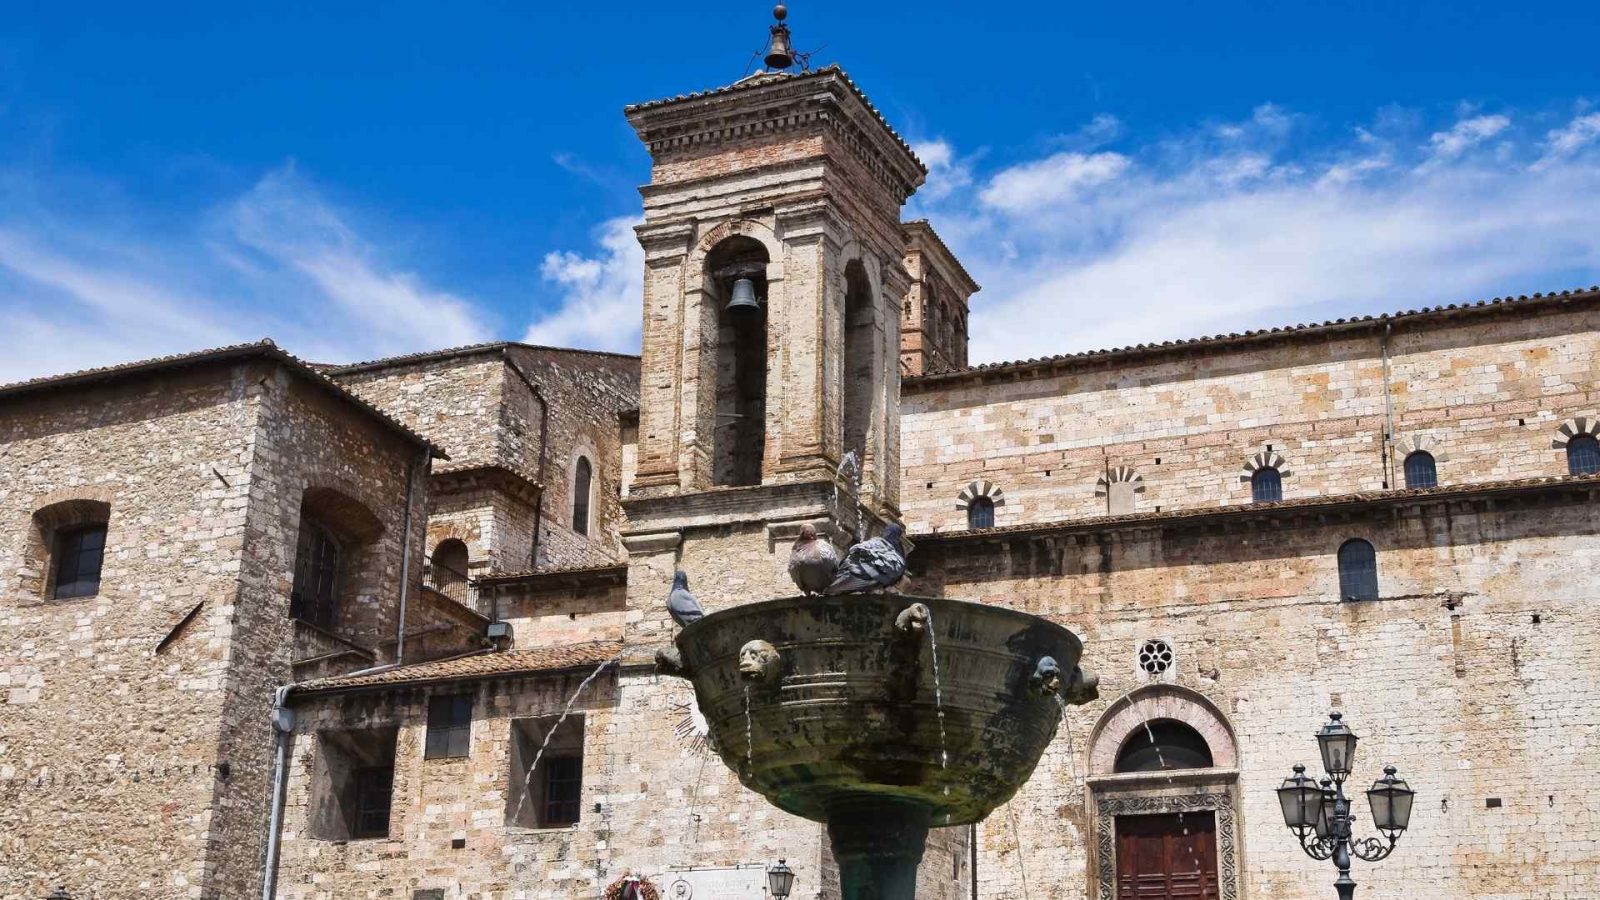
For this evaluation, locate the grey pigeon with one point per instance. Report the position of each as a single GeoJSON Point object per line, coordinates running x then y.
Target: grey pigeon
{"type": "Point", "coordinates": [875, 564]}
{"type": "Point", "coordinates": [813, 561]}
{"type": "Point", "coordinates": [681, 604]}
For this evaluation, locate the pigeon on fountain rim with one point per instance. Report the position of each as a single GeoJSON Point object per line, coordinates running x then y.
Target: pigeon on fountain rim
{"type": "Point", "coordinates": [813, 561]}
{"type": "Point", "coordinates": [875, 564]}
{"type": "Point", "coordinates": [681, 605]}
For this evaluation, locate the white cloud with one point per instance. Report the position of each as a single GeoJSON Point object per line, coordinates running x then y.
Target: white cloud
{"type": "Point", "coordinates": [946, 173]}
{"type": "Point", "coordinates": [86, 281]}
{"type": "Point", "coordinates": [602, 301]}
{"type": "Point", "coordinates": [1465, 135]}
{"type": "Point", "coordinates": [1051, 180]}
{"type": "Point", "coordinates": [1197, 235]}
{"type": "Point", "coordinates": [1576, 135]}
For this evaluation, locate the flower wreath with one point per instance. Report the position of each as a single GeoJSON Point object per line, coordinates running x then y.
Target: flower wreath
{"type": "Point", "coordinates": [646, 890]}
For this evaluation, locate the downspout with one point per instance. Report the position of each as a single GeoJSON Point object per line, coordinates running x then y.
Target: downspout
{"type": "Point", "coordinates": [1388, 411]}
{"type": "Point", "coordinates": [282, 732]}
{"type": "Point", "coordinates": [972, 849]}
{"type": "Point", "coordinates": [405, 556]}
{"type": "Point", "coordinates": [544, 451]}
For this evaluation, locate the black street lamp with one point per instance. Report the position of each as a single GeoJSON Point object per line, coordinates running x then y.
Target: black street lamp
{"type": "Point", "coordinates": [1319, 815]}
{"type": "Point", "coordinates": [780, 880]}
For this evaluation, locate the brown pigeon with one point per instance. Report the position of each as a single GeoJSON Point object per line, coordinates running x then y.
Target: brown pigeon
{"type": "Point", "coordinates": [813, 561]}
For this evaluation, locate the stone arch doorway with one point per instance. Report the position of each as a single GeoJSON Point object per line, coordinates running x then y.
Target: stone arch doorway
{"type": "Point", "coordinates": [1163, 783]}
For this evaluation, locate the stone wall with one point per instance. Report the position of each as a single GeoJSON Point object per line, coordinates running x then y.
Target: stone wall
{"type": "Point", "coordinates": [1485, 391]}
{"type": "Point", "coordinates": [1475, 674]}
{"type": "Point", "coordinates": [135, 755]}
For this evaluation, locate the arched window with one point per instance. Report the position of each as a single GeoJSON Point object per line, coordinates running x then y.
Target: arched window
{"type": "Point", "coordinates": [582, 482]}
{"type": "Point", "coordinates": [314, 597]}
{"type": "Point", "coordinates": [1163, 744]}
{"type": "Point", "coordinates": [1421, 471]}
{"type": "Point", "coordinates": [1266, 485]}
{"type": "Point", "coordinates": [1583, 455]}
{"type": "Point", "coordinates": [1358, 570]}
{"type": "Point", "coordinates": [980, 513]}
{"type": "Point", "coordinates": [449, 569]}
{"type": "Point", "coordinates": [736, 272]}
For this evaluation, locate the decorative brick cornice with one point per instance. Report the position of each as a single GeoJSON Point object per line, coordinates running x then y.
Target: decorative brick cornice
{"type": "Point", "coordinates": [823, 101]}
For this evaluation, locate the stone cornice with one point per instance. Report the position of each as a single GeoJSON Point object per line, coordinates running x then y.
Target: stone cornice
{"type": "Point", "coordinates": [823, 102]}
{"type": "Point", "coordinates": [1309, 510]}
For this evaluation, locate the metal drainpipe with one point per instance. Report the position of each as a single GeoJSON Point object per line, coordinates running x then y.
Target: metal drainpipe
{"type": "Point", "coordinates": [972, 848]}
{"type": "Point", "coordinates": [282, 731]}
{"type": "Point", "coordinates": [405, 555]}
{"type": "Point", "coordinates": [1388, 412]}
{"type": "Point", "coordinates": [544, 451]}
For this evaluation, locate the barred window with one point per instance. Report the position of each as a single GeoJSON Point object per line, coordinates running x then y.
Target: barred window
{"type": "Point", "coordinates": [314, 596]}
{"type": "Point", "coordinates": [1266, 485]}
{"type": "Point", "coordinates": [563, 790]}
{"type": "Point", "coordinates": [1583, 455]}
{"type": "Point", "coordinates": [449, 726]}
{"type": "Point", "coordinates": [1358, 570]}
{"type": "Point", "coordinates": [980, 513]}
{"type": "Point", "coordinates": [373, 787]}
{"type": "Point", "coordinates": [1421, 471]}
{"type": "Point", "coordinates": [79, 554]}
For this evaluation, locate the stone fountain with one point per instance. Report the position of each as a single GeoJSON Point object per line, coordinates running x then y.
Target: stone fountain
{"type": "Point", "coordinates": [881, 715]}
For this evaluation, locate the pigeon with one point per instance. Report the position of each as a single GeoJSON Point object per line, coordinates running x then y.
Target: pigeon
{"type": "Point", "coordinates": [875, 564]}
{"type": "Point", "coordinates": [681, 604]}
{"type": "Point", "coordinates": [813, 561]}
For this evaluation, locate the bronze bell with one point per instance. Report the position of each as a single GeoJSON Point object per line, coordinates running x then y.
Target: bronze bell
{"type": "Point", "coordinates": [744, 297]}
{"type": "Point", "coordinates": [780, 54]}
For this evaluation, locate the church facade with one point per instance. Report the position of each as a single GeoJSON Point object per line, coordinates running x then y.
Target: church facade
{"type": "Point", "coordinates": [388, 630]}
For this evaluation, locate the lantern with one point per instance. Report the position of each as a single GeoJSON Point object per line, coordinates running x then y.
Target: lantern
{"type": "Point", "coordinates": [1390, 799]}
{"type": "Point", "coordinates": [780, 880]}
{"type": "Point", "coordinates": [1338, 745]}
{"type": "Point", "coordinates": [1301, 800]}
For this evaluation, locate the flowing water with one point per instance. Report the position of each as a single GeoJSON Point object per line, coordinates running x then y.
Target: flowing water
{"type": "Point", "coordinates": [527, 781]}
{"type": "Point", "coordinates": [938, 695]}
{"type": "Point", "coordinates": [749, 732]}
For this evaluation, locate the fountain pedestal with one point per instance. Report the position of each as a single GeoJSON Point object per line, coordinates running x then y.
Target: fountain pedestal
{"type": "Point", "coordinates": [833, 709]}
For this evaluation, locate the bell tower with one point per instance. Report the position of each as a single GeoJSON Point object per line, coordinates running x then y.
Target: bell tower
{"type": "Point", "coordinates": [774, 278]}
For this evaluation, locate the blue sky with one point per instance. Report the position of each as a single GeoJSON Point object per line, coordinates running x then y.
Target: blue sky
{"type": "Point", "coordinates": [358, 180]}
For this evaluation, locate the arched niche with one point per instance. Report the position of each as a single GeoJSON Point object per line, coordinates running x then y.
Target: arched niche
{"type": "Point", "coordinates": [860, 360]}
{"type": "Point", "coordinates": [737, 266]}
{"type": "Point", "coordinates": [1155, 703]}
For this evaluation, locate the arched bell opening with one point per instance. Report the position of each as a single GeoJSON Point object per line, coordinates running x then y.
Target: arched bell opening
{"type": "Point", "coordinates": [860, 361]}
{"type": "Point", "coordinates": [736, 270]}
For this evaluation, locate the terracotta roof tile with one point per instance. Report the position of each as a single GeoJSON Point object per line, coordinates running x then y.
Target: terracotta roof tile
{"type": "Point", "coordinates": [1042, 364]}
{"type": "Point", "coordinates": [504, 664]}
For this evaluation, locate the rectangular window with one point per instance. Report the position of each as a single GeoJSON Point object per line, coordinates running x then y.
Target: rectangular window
{"type": "Point", "coordinates": [79, 553]}
{"type": "Point", "coordinates": [449, 726]}
{"type": "Point", "coordinates": [314, 594]}
{"type": "Point", "coordinates": [563, 788]}
{"type": "Point", "coordinates": [373, 787]}
{"type": "Point", "coordinates": [549, 795]}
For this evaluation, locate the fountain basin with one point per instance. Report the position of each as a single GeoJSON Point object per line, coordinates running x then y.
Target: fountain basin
{"type": "Point", "coordinates": [840, 714]}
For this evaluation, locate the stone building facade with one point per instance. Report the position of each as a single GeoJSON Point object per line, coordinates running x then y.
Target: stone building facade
{"type": "Point", "coordinates": [1392, 517]}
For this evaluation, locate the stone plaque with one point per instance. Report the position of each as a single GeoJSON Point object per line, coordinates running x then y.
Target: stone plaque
{"type": "Point", "coordinates": [746, 882]}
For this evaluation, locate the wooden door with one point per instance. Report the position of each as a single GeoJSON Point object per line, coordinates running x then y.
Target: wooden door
{"type": "Point", "coordinates": [1167, 857]}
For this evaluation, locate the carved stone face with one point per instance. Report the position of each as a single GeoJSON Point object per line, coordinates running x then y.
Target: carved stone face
{"type": "Point", "coordinates": [913, 620]}
{"type": "Point", "coordinates": [1046, 676]}
{"type": "Point", "coordinates": [759, 661]}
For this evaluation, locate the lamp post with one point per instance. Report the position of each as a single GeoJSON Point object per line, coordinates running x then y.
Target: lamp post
{"type": "Point", "coordinates": [1319, 814]}
{"type": "Point", "coordinates": [780, 880]}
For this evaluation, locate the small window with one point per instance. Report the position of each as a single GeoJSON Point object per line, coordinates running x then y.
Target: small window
{"type": "Point", "coordinates": [1358, 570]}
{"type": "Point", "coordinates": [980, 513]}
{"type": "Point", "coordinates": [373, 787]}
{"type": "Point", "coordinates": [449, 726]}
{"type": "Point", "coordinates": [1266, 485]}
{"type": "Point", "coordinates": [563, 789]}
{"type": "Point", "coordinates": [448, 569]}
{"type": "Point", "coordinates": [314, 596]}
{"type": "Point", "coordinates": [79, 554]}
{"type": "Point", "coordinates": [1583, 455]}
{"type": "Point", "coordinates": [582, 479]}
{"type": "Point", "coordinates": [1421, 472]}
